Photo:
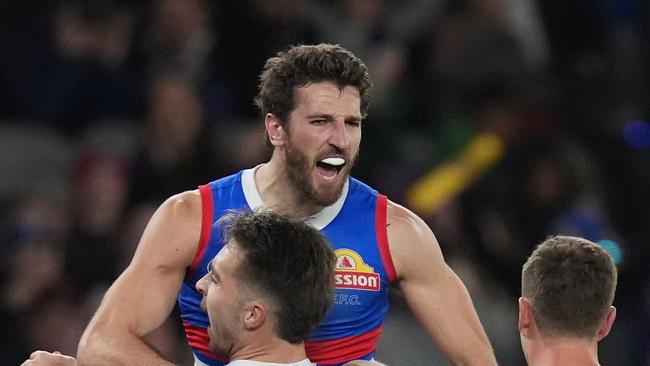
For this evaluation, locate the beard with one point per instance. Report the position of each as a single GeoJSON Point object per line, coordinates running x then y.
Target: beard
{"type": "Point", "coordinates": [300, 169]}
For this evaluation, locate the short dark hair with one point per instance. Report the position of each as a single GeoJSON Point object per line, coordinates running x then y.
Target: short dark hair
{"type": "Point", "coordinates": [570, 282]}
{"type": "Point", "coordinates": [288, 261]}
{"type": "Point", "coordinates": [303, 65]}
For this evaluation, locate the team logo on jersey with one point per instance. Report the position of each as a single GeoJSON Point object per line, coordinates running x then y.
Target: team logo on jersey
{"type": "Point", "coordinates": [353, 273]}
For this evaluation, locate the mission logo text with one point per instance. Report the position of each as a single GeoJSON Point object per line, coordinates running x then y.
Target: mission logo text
{"type": "Point", "coordinates": [353, 273]}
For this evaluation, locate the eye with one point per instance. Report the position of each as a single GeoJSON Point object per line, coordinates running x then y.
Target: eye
{"type": "Point", "coordinates": [353, 123]}
{"type": "Point", "coordinates": [210, 275]}
{"type": "Point", "coordinates": [318, 122]}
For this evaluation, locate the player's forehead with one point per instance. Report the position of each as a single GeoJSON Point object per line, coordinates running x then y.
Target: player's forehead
{"type": "Point", "coordinates": [226, 260]}
{"type": "Point", "coordinates": [327, 98]}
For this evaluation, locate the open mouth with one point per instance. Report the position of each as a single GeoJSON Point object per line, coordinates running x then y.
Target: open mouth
{"type": "Point", "coordinates": [329, 168]}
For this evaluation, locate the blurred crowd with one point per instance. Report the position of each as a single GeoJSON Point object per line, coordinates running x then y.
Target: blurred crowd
{"type": "Point", "coordinates": [107, 107]}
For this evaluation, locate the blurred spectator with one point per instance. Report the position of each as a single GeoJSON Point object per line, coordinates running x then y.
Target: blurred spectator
{"type": "Point", "coordinates": [184, 37]}
{"type": "Point", "coordinates": [35, 234]}
{"type": "Point", "coordinates": [100, 186]}
{"type": "Point", "coordinates": [177, 153]}
{"type": "Point", "coordinates": [80, 69]}
{"type": "Point", "coordinates": [181, 38]}
{"type": "Point", "coordinates": [32, 273]}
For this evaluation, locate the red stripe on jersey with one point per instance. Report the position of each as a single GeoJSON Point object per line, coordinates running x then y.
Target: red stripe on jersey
{"type": "Point", "coordinates": [206, 224]}
{"type": "Point", "coordinates": [382, 237]}
{"type": "Point", "coordinates": [199, 340]}
{"type": "Point", "coordinates": [342, 349]}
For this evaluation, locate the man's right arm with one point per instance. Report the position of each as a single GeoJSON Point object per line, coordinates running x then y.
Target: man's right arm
{"type": "Point", "coordinates": [142, 298]}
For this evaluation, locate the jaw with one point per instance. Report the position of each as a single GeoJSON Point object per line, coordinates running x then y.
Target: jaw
{"type": "Point", "coordinates": [305, 182]}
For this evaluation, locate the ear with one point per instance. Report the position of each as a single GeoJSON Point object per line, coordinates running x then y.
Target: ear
{"type": "Point", "coordinates": [256, 314]}
{"type": "Point", "coordinates": [274, 129]}
{"type": "Point", "coordinates": [604, 329]}
{"type": "Point", "coordinates": [525, 316]}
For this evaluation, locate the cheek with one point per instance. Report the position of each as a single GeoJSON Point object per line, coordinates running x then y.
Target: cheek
{"type": "Point", "coordinates": [355, 144]}
{"type": "Point", "coordinates": [308, 137]}
{"type": "Point", "coordinates": [309, 143]}
{"type": "Point", "coordinates": [355, 136]}
{"type": "Point", "coordinates": [212, 300]}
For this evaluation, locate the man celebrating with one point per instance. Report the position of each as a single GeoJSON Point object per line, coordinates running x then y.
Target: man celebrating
{"type": "Point", "coordinates": [568, 286]}
{"type": "Point", "coordinates": [313, 99]}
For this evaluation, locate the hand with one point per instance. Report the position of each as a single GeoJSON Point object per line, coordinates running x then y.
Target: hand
{"type": "Point", "coordinates": [42, 358]}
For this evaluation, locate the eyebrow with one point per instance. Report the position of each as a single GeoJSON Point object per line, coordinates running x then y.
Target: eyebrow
{"type": "Point", "coordinates": [321, 115]}
{"type": "Point", "coordinates": [330, 117]}
{"type": "Point", "coordinates": [353, 119]}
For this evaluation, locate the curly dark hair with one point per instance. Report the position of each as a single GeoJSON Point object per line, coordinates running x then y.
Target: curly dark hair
{"type": "Point", "coordinates": [306, 64]}
{"type": "Point", "coordinates": [288, 262]}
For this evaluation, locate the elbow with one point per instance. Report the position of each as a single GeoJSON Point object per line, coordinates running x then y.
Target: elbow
{"type": "Point", "coordinates": [91, 345]}
{"type": "Point", "coordinates": [85, 350]}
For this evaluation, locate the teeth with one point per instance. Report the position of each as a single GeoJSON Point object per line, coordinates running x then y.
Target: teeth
{"type": "Point", "coordinates": [333, 161]}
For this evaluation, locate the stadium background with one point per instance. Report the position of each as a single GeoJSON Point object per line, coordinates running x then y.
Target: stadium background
{"type": "Point", "coordinates": [499, 121]}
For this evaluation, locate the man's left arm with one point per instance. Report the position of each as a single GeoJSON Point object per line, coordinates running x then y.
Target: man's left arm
{"type": "Point", "coordinates": [435, 294]}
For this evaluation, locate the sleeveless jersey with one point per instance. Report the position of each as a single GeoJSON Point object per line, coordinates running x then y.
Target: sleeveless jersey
{"type": "Point", "coordinates": [355, 225]}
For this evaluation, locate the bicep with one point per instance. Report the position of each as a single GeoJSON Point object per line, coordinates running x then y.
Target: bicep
{"type": "Point", "coordinates": [438, 299]}
{"type": "Point", "coordinates": [142, 298]}
{"type": "Point", "coordinates": [430, 287]}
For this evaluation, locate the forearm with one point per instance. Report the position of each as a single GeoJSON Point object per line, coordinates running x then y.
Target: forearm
{"type": "Point", "coordinates": [450, 319]}
{"type": "Point", "coordinates": [97, 348]}
{"type": "Point", "coordinates": [435, 294]}
{"type": "Point", "coordinates": [461, 335]}
{"type": "Point", "coordinates": [475, 348]}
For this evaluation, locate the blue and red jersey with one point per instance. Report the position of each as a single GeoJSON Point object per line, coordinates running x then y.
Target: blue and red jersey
{"type": "Point", "coordinates": [355, 225]}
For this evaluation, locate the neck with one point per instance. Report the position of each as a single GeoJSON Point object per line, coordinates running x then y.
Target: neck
{"type": "Point", "coordinates": [278, 191]}
{"type": "Point", "coordinates": [275, 351]}
{"type": "Point", "coordinates": [563, 352]}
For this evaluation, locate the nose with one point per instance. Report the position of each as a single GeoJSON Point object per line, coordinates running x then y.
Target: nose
{"type": "Point", "coordinates": [339, 136]}
{"type": "Point", "coordinates": [202, 285]}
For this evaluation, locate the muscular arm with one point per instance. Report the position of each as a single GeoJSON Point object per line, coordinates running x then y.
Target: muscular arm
{"type": "Point", "coordinates": [437, 297]}
{"type": "Point", "coordinates": [143, 296]}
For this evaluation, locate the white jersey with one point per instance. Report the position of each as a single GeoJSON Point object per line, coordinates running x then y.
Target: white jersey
{"type": "Point", "coordinates": [304, 362]}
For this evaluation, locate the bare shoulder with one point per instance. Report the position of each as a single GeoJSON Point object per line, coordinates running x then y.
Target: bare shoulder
{"type": "Point", "coordinates": [174, 230]}
{"type": "Point", "coordinates": [410, 239]}
{"type": "Point", "coordinates": [182, 212]}
{"type": "Point", "coordinates": [185, 205]}
{"type": "Point", "coordinates": [406, 229]}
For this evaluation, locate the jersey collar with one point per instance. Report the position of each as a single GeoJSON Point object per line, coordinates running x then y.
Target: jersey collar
{"type": "Point", "coordinates": [318, 221]}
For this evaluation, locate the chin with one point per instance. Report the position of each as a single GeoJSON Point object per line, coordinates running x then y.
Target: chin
{"type": "Point", "coordinates": [326, 196]}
